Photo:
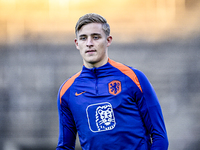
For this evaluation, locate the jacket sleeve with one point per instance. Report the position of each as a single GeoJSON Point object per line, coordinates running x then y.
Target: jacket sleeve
{"type": "Point", "coordinates": [67, 128]}
{"type": "Point", "coordinates": [151, 113]}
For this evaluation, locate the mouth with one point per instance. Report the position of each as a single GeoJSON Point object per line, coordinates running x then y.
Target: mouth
{"type": "Point", "coordinates": [90, 51]}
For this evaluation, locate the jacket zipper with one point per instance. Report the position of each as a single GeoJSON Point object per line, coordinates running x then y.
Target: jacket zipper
{"type": "Point", "coordinates": [96, 80]}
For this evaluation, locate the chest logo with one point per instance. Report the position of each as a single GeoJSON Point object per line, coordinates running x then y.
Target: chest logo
{"type": "Point", "coordinates": [77, 94]}
{"type": "Point", "coordinates": [114, 87]}
{"type": "Point", "coordinates": [100, 117]}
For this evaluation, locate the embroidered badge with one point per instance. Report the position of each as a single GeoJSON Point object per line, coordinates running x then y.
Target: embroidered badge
{"type": "Point", "coordinates": [114, 87]}
{"type": "Point", "coordinates": [100, 117]}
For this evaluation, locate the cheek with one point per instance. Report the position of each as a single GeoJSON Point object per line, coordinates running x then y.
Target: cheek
{"type": "Point", "coordinates": [80, 48]}
{"type": "Point", "coordinates": [81, 52]}
{"type": "Point", "coordinates": [102, 46]}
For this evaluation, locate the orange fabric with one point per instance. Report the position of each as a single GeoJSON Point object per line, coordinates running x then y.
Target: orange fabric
{"type": "Point", "coordinates": [127, 71]}
{"type": "Point", "coordinates": [68, 84]}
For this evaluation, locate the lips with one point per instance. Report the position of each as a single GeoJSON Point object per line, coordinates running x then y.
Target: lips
{"type": "Point", "coordinates": [90, 51]}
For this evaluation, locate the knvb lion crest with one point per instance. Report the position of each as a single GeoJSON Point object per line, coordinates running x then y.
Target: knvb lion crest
{"type": "Point", "coordinates": [114, 87]}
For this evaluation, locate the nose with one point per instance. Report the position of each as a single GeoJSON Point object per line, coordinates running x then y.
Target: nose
{"type": "Point", "coordinates": [106, 115]}
{"type": "Point", "coordinates": [89, 42]}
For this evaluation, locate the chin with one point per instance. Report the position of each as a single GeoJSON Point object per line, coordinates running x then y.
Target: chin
{"type": "Point", "coordinates": [91, 60]}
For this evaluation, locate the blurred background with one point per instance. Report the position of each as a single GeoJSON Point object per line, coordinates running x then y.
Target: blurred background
{"type": "Point", "coordinates": [37, 54]}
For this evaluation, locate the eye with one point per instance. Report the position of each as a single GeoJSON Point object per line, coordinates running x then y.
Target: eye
{"type": "Point", "coordinates": [83, 38]}
{"type": "Point", "coordinates": [96, 37]}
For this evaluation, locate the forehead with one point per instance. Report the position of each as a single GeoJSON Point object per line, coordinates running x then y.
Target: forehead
{"type": "Point", "coordinates": [91, 28]}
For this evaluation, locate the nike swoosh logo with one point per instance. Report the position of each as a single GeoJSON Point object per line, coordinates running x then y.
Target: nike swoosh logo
{"type": "Point", "coordinates": [77, 94]}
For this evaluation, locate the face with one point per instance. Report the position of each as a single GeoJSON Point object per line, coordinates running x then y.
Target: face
{"type": "Point", "coordinates": [93, 43]}
{"type": "Point", "coordinates": [106, 116]}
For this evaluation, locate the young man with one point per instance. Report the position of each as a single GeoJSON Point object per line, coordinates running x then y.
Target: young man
{"type": "Point", "coordinates": [112, 106]}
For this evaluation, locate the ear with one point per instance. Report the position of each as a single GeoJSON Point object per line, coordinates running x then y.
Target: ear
{"type": "Point", "coordinates": [109, 40]}
{"type": "Point", "coordinates": [76, 43]}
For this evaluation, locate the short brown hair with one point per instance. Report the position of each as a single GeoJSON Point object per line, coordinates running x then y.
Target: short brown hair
{"type": "Point", "coordinates": [92, 18]}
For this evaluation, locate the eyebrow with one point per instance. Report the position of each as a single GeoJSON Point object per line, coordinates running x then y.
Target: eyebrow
{"type": "Point", "coordinates": [91, 34]}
